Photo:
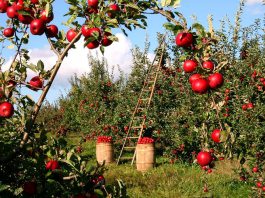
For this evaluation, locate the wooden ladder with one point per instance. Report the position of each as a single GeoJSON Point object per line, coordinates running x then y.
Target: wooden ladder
{"type": "Point", "coordinates": [137, 124]}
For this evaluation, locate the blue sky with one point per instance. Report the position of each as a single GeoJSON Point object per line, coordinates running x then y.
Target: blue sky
{"type": "Point", "coordinates": [119, 53]}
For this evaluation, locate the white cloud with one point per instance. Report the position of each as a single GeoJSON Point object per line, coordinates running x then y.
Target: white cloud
{"type": "Point", "coordinates": [251, 2]}
{"type": "Point", "coordinates": [119, 53]}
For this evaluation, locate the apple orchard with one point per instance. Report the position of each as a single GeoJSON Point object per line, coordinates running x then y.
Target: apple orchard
{"type": "Point", "coordinates": [208, 103]}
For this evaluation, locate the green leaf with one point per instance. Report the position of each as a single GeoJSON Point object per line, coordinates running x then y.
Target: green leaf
{"type": "Point", "coordinates": [199, 28]}
{"type": "Point", "coordinates": [173, 3]}
{"type": "Point", "coordinates": [40, 65]}
{"type": "Point", "coordinates": [223, 136]}
{"type": "Point", "coordinates": [3, 187]}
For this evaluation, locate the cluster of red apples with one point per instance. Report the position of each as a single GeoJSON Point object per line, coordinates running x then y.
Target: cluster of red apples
{"type": "Point", "coordinates": [199, 83]}
{"type": "Point", "coordinates": [95, 35]}
{"type": "Point", "coordinates": [32, 14]}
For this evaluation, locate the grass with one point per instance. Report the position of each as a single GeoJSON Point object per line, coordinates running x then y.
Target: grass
{"type": "Point", "coordinates": [173, 180]}
{"type": "Point", "coordinates": [178, 180]}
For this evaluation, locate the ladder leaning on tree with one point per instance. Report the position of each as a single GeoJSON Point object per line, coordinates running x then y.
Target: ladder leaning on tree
{"type": "Point", "coordinates": [137, 124]}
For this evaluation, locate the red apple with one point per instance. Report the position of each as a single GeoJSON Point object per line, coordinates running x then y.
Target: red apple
{"type": "Point", "coordinates": [52, 165]}
{"type": "Point", "coordinates": [30, 188]}
{"type": "Point", "coordinates": [216, 80]}
{"type": "Point", "coordinates": [51, 31]}
{"type": "Point", "coordinates": [93, 3]}
{"type": "Point", "coordinates": [45, 18]}
{"type": "Point", "coordinates": [204, 158]}
{"type": "Point", "coordinates": [113, 10]}
{"type": "Point", "coordinates": [194, 77]}
{"type": "Point", "coordinates": [92, 10]}
{"type": "Point", "coordinates": [93, 44]}
{"type": "Point", "coordinates": [259, 184]}
{"type": "Point", "coordinates": [6, 110]}
{"type": "Point", "coordinates": [88, 32]}
{"type": "Point", "coordinates": [105, 40]}
{"type": "Point", "coordinates": [36, 82]}
{"type": "Point", "coordinates": [184, 39]}
{"type": "Point", "coordinates": [37, 27]}
{"type": "Point", "coordinates": [55, 165]}
{"type": "Point", "coordinates": [244, 107]}
{"type": "Point", "coordinates": [208, 65]}
{"type": "Point", "coordinates": [3, 6]}
{"type": "Point", "coordinates": [216, 135]}
{"type": "Point", "coordinates": [8, 32]}
{"type": "Point", "coordinates": [34, 1]}
{"type": "Point", "coordinates": [26, 19]}
{"type": "Point", "coordinates": [19, 5]}
{"type": "Point", "coordinates": [190, 66]}
{"type": "Point", "coordinates": [71, 34]}
{"type": "Point", "coordinates": [11, 12]}
{"type": "Point", "coordinates": [250, 105]}
{"type": "Point", "coordinates": [200, 86]}
{"type": "Point", "coordinates": [255, 169]}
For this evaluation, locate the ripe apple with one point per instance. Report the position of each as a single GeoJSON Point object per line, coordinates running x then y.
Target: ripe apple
{"type": "Point", "coordinates": [216, 135]}
{"type": "Point", "coordinates": [37, 27]}
{"type": "Point", "coordinates": [36, 82]}
{"type": "Point", "coordinates": [19, 4]}
{"type": "Point", "coordinates": [3, 6]}
{"type": "Point", "coordinates": [244, 107]}
{"type": "Point", "coordinates": [93, 44]}
{"type": "Point", "coordinates": [52, 165]}
{"type": "Point", "coordinates": [6, 110]}
{"type": "Point", "coordinates": [204, 158]}
{"type": "Point", "coordinates": [92, 10]}
{"type": "Point", "coordinates": [105, 40]}
{"type": "Point", "coordinates": [81, 196]}
{"type": "Point", "coordinates": [34, 1]}
{"type": "Point", "coordinates": [93, 3]}
{"type": "Point", "coordinates": [11, 12]}
{"type": "Point", "coordinates": [26, 19]}
{"type": "Point", "coordinates": [250, 105]}
{"type": "Point", "coordinates": [45, 18]}
{"type": "Point", "coordinates": [113, 10]}
{"type": "Point", "coordinates": [194, 77]}
{"type": "Point", "coordinates": [184, 39]}
{"type": "Point", "coordinates": [71, 34]}
{"type": "Point", "coordinates": [259, 184]}
{"type": "Point", "coordinates": [8, 32]}
{"type": "Point", "coordinates": [200, 85]}
{"type": "Point", "coordinates": [88, 32]}
{"type": "Point", "coordinates": [190, 65]}
{"type": "Point", "coordinates": [51, 31]}
{"type": "Point", "coordinates": [255, 169]}
{"type": "Point", "coordinates": [208, 65]}
{"type": "Point", "coordinates": [215, 80]}
{"type": "Point", "coordinates": [30, 188]}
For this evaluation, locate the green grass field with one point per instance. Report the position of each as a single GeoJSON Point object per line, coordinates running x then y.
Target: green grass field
{"type": "Point", "coordinates": [173, 180]}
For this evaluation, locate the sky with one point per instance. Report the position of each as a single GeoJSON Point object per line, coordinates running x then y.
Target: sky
{"type": "Point", "coordinates": [119, 53]}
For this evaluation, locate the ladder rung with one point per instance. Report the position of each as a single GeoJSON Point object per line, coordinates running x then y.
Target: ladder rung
{"type": "Point", "coordinates": [126, 158]}
{"type": "Point", "coordinates": [132, 137]}
{"type": "Point", "coordinates": [129, 147]}
{"type": "Point", "coordinates": [144, 99]}
{"type": "Point", "coordinates": [136, 127]}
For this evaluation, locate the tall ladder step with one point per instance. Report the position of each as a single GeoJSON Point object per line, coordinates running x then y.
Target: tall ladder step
{"type": "Point", "coordinates": [142, 106]}
{"type": "Point", "coordinates": [129, 147]}
{"type": "Point", "coordinates": [132, 138]}
{"type": "Point", "coordinates": [136, 127]}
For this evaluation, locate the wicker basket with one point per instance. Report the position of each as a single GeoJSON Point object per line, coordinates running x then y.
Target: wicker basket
{"type": "Point", "coordinates": [145, 156]}
{"type": "Point", "coordinates": [104, 152]}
